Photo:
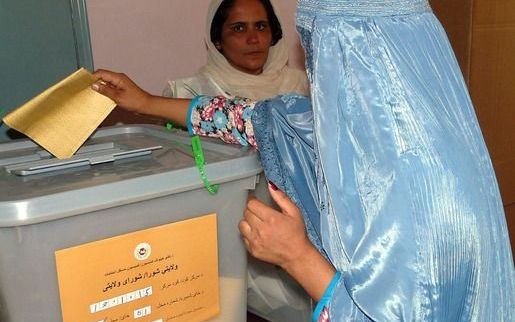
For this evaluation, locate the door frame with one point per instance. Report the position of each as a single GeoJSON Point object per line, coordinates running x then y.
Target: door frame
{"type": "Point", "coordinates": [80, 25]}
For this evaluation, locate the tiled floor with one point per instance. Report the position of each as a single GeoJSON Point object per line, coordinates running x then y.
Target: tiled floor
{"type": "Point", "coordinates": [253, 318]}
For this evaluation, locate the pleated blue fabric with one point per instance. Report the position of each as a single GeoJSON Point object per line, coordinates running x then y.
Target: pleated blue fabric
{"type": "Point", "coordinates": [388, 164]}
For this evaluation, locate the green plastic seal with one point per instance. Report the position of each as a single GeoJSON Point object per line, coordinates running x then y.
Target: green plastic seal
{"type": "Point", "coordinates": [200, 161]}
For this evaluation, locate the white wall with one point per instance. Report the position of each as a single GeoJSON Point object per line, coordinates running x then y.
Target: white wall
{"type": "Point", "coordinates": [156, 40]}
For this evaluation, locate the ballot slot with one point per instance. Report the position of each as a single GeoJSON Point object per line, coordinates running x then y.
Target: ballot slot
{"type": "Point", "coordinates": [32, 154]}
{"type": "Point", "coordinates": [43, 162]}
{"type": "Point", "coordinates": [19, 159]}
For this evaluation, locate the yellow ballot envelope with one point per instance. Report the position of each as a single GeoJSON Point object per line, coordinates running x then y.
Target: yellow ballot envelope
{"type": "Point", "coordinates": [62, 117]}
{"type": "Point", "coordinates": [165, 273]}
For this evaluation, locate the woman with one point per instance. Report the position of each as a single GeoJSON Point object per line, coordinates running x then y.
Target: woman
{"type": "Point", "coordinates": [388, 166]}
{"type": "Point", "coordinates": [247, 55]}
{"type": "Point", "coordinates": [409, 211]}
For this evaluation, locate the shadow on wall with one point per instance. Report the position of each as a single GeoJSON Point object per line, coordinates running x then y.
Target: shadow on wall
{"type": "Point", "coordinates": [119, 115]}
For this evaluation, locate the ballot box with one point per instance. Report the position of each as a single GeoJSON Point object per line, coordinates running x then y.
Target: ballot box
{"type": "Point", "coordinates": [121, 223]}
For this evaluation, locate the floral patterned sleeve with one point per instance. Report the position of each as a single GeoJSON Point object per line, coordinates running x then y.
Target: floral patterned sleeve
{"type": "Point", "coordinates": [222, 117]}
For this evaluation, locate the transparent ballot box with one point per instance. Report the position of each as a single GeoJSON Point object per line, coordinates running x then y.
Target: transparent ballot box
{"type": "Point", "coordinates": [124, 230]}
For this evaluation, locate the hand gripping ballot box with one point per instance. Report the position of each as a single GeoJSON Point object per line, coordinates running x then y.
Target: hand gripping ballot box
{"type": "Point", "coordinates": [101, 235]}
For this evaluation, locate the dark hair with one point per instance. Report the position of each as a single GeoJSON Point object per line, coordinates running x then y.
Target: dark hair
{"type": "Point", "coordinates": [223, 12]}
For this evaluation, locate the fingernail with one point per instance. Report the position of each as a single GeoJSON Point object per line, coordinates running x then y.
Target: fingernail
{"type": "Point", "coordinates": [95, 87]}
{"type": "Point", "coordinates": [272, 185]}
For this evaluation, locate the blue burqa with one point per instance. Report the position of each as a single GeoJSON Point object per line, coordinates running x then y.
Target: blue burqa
{"type": "Point", "coordinates": [388, 164]}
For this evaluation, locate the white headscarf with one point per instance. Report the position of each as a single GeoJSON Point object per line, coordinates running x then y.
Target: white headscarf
{"type": "Point", "coordinates": [219, 77]}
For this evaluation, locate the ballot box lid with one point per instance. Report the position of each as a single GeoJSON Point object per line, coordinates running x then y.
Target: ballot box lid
{"type": "Point", "coordinates": [117, 165]}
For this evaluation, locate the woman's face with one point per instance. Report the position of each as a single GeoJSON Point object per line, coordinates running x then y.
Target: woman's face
{"type": "Point", "coordinates": [246, 36]}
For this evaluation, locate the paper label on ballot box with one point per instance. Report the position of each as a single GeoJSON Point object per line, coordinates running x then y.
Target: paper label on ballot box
{"type": "Point", "coordinates": [165, 273]}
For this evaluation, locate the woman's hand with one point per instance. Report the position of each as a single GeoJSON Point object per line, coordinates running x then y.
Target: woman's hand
{"type": "Point", "coordinates": [130, 96]}
{"type": "Point", "coordinates": [280, 238]}
{"type": "Point", "coordinates": [121, 89]}
{"type": "Point", "coordinates": [272, 236]}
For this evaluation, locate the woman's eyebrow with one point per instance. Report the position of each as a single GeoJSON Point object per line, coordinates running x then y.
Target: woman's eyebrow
{"type": "Point", "coordinates": [245, 22]}
{"type": "Point", "coordinates": [237, 23]}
